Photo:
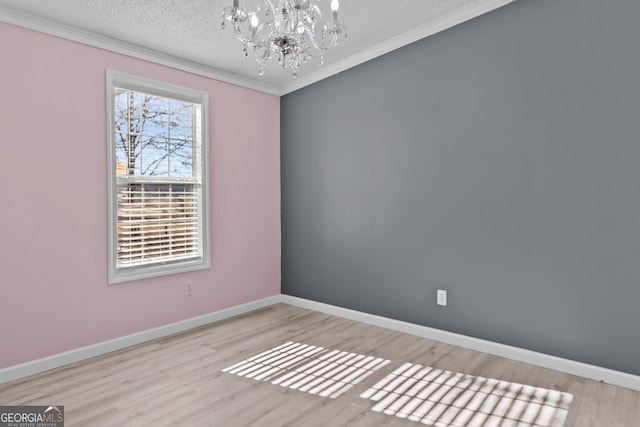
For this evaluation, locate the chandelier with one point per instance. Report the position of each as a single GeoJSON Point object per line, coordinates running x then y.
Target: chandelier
{"type": "Point", "coordinates": [289, 29]}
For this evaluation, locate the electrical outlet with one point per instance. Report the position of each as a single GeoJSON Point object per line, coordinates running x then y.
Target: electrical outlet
{"type": "Point", "coordinates": [442, 297]}
{"type": "Point", "coordinates": [188, 288]}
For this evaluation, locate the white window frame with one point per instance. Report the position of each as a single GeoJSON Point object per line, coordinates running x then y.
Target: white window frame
{"type": "Point", "coordinates": [115, 80]}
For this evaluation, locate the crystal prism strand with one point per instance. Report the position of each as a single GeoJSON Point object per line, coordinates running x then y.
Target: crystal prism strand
{"type": "Point", "coordinates": [282, 60]}
{"type": "Point", "coordinates": [296, 65]}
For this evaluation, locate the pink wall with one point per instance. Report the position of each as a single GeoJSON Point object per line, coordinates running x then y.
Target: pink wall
{"type": "Point", "coordinates": [53, 201]}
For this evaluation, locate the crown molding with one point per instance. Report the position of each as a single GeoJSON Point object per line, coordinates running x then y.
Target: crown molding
{"type": "Point", "coordinates": [21, 19]}
{"type": "Point", "coordinates": [444, 22]}
{"type": "Point", "coordinates": [427, 29]}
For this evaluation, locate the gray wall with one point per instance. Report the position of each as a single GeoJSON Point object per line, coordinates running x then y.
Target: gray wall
{"type": "Point", "coordinates": [499, 160]}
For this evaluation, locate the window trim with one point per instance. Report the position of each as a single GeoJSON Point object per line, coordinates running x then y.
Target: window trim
{"type": "Point", "coordinates": [142, 84]}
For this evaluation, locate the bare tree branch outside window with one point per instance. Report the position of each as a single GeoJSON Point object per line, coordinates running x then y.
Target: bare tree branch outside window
{"type": "Point", "coordinates": [154, 135]}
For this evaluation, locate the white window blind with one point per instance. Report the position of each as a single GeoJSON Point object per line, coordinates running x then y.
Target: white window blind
{"type": "Point", "coordinates": [157, 222]}
{"type": "Point", "coordinates": [158, 208]}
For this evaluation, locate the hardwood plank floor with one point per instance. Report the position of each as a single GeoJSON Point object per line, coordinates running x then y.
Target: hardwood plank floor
{"type": "Point", "coordinates": [178, 380]}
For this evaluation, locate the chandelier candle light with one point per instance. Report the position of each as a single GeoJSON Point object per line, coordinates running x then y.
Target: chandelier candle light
{"type": "Point", "coordinates": [290, 29]}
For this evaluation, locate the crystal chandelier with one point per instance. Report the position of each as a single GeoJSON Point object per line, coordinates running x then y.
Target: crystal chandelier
{"type": "Point", "coordinates": [288, 29]}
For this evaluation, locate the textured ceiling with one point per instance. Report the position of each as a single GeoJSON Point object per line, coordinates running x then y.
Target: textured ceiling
{"type": "Point", "coordinates": [189, 30]}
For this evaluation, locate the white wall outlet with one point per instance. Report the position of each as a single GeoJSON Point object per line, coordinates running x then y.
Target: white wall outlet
{"type": "Point", "coordinates": [442, 297]}
{"type": "Point", "coordinates": [188, 288]}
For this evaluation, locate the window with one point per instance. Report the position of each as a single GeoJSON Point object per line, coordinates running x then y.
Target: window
{"type": "Point", "coordinates": [157, 178]}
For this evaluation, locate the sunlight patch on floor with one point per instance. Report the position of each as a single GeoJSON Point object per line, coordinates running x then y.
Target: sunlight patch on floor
{"type": "Point", "coordinates": [448, 399]}
{"type": "Point", "coordinates": [308, 368]}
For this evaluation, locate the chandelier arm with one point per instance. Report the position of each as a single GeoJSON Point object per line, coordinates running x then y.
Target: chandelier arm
{"type": "Point", "coordinates": [334, 38]}
{"type": "Point", "coordinates": [314, 42]}
{"type": "Point", "coordinates": [321, 46]}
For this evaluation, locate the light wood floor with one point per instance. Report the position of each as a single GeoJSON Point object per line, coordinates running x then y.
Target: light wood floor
{"type": "Point", "coordinates": [177, 381]}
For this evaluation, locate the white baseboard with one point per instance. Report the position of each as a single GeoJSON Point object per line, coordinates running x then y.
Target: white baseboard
{"type": "Point", "coordinates": [29, 368]}
{"type": "Point", "coordinates": [572, 367]}
{"type": "Point", "coordinates": [597, 373]}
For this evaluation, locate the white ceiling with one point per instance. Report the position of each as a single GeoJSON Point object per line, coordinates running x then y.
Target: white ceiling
{"type": "Point", "coordinates": [187, 34]}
